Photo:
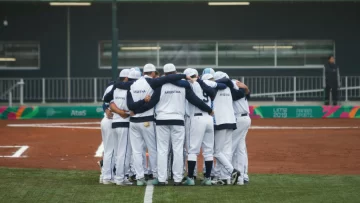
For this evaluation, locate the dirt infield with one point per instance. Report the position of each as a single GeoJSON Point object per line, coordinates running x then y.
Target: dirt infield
{"type": "Point", "coordinates": [286, 146]}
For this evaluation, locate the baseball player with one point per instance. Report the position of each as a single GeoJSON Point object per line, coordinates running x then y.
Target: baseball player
{"type": "Point", "coordinates": [243, 122]}
{"type": "Point", "coordinates": [170, 111]}
{"type": "Point", "coordinates": [121, 125]}
{"type": "Point", "coordinates": [201, 129]}
{"type": "Point", "coordinates": [107, 133]}
{"type": "Point", "coordinates": [142, 127]}
{"type": "Point", "coordinates": [224, 124]}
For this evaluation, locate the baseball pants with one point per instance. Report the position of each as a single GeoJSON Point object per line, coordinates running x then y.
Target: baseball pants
{"type": "Point", "coordinates": [176, 135]}
{"type": "Point", "coordinates": [222, 153]}
{"type": "Point", "coordinates": [201, 135]}
{"type": "Point", "coordinates": [123, 153]}
{"type": "Point", "coordinates": [108, 137]}
{"type": "Point", "coordinates": [240, 158]}
{"type": "Point", "coordinates": [143, 137]}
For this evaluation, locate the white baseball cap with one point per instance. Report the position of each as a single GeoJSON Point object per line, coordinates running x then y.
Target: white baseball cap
{"type": "Point", "coordinates": [169, 68]}
{"type": "Point", "coordinates": [124, 73]}
{"type": "Point", "coordinates": [208, 71]}
{"type": "Point", "coordinates": [134, 74]}
{"type": "Point", "coordinates": [149, 68]}
{"type": "Point", "coordinates": [191, 72]}
{"type": "Point", "coordinates": [136, 69]}
{"type": "Point", "coordinates": [207, 76]}
{"type": "Point", "coordinates": [219, 74]}
{"type": "Point", "coordinates": [187, 70]}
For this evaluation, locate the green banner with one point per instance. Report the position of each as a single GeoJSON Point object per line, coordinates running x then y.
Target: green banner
{"type": "Point", "coordinates": [59, 112]}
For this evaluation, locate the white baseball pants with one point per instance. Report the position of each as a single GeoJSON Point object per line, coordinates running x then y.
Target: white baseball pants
{"type": "Point", "coordinates": [108, 137]}
{"type": "Point", "coordinates": [123, 153]}
{"type": "Point", "coordinates": [240, 158]}
{"type": "Point", "coordinates": [223, 153]}
{"type": "Point", "coordinates": [201, 135]}
{"type": "Point", "coordinates": [143, 137]}
{"type": "Point", "coordinates": [176, 135]}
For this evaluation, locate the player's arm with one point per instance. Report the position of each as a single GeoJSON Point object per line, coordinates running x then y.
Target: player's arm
{"type": "Point", "coordinates": [196, 101]}
{"type": "Point", "coordinates": [227, 82]}
{"type": "Point", "coordinates": [122, 113]}
{"type": "Point", "coordinates": [247, 96]}
{"type": "Point", "coordinates": [207, 89]}
{"type": "Point", "coordinates": [157, 82]}
{"type": "Point", "coordinates": [237, 94]}
{"type": "Point", "coordinates": [151, 104]}
{"type": "Point", "coordinates": [181, 83]}
{"type": "Point", "coordinates": [130, 102]}
{"type": "Point", "coordinates": [123, 85]}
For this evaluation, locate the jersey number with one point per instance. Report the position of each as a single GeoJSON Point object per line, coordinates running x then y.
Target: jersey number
{"type": "Point", "coordinates": [206, 97]}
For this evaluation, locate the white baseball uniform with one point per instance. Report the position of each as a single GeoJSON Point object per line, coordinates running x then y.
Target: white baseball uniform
{"type": "Point", "coordinates": [243, 122]}
{"type": "Point", "coordinates": [224, 124]}
{"type": "Point", "coordinates": [121, 127]}
{"type": "Point", "coordinates": [108, 137]}
{"type": "Point", "coordinates": [201, 127]}
{"type": "Point", "coordinates": [170, 112]}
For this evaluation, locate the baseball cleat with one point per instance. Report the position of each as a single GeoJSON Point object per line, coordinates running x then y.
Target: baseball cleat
{"type": "Point", "coordinates": [141, 182]}
{"type": "Point", "coordinates": [155, 181]}
{"type": "Point", "coordinates": [125, 182]}
{"type": "Point", "coordinates": [240, 181]}
{"type": "Point", "coordinates": [246, 182]}
{"type": "Point", "coordinates": [178, 184]}
{"type": "Point", "coordinates": [206, 181]}
{"type": "Point", "coordinates": [234, 176]}
{"type": "Point", "coordinates": [108, 182]}
{"type": "Point", "coordinates": [161, 184]}
{"type": "Point", "coordinates": [132, 178]}
{"type": "Point", "coordinates": [189, 181]}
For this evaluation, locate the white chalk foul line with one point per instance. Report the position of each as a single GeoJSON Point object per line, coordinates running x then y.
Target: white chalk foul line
{"type": "Point", "coordinates": [18, 152]}
{"type": "Point", "coordinates": [302, 128]}
{"type": "Point", "coordinates": [100, 150]}
{"type": "Point", "coordinates": [149, 193]}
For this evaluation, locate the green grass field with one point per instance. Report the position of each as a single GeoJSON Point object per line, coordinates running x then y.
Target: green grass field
{"type": "Point", "coordinates": [39, 185]}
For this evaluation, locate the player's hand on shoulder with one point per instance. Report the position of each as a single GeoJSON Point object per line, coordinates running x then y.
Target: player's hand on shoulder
{"type": "Point", "coordinates": [212, 113]}
{"type": "Point", "coordinates": [147, 98]}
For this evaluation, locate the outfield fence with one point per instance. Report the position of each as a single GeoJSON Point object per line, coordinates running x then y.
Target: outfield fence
{"type": "Point", "coordinates": [285, 88]}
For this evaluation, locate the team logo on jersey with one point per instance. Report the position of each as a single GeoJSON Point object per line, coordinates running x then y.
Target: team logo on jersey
{"type": "Point", "coordinates": [122, 98]}
{"type": "Point", "coordinates": [139, 91]}
{"type": "Point", "coordinates": [225, 94]}
{"type": "Point", "coordinates": [172, 92]}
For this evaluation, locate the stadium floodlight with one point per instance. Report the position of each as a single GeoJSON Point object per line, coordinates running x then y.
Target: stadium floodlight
{"type": "Point", "coordinates": [228, 3]}
{"type": "Point", "coordinates": [70, 4]}
{"type": "Point", "coordinates": [7, 59]}
{"type": "Point", "coordinates": [139, 48]}
{"type": "Point", "coordinates": [272, 47]}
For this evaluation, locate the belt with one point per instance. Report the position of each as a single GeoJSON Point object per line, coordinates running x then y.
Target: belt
{"type": "Point", "coordinates": [244, 114]}
{"type": "Point", "coordinates": [198, 114]}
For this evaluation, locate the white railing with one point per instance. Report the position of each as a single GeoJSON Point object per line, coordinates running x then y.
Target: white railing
{"type": "Point", "coordinates": [300, 88]}
{"type": "Point", "coordinates": [9, 92]}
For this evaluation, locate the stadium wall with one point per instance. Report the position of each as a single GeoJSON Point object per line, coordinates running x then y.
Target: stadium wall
{"type": "Point", "coordinates": [175, 21]}
{"type": "Point", "coordinates": [60, 112]}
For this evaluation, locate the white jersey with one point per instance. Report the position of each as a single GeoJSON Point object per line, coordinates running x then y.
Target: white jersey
{"type": "Point", "coordinates": [171, 105]}
{"type": "Point", "coordinates": [139, 89]}
{"type": "Point", "coordinates": [191, 109]}
{"type": "Point", "coordinates": [120, 101]}
{"type": "Point", "coordinates": [223, 108]}
{"type": "Point", "coordinates": [108, 89]}
{"type": "Point", "coordinates": [241, 106]}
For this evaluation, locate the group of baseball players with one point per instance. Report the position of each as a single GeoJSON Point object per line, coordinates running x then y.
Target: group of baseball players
{"type": "Point", "coordinates": [146, 117]}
